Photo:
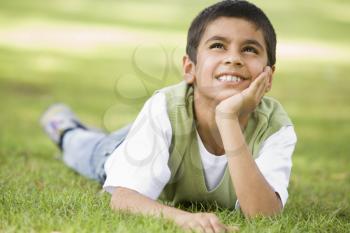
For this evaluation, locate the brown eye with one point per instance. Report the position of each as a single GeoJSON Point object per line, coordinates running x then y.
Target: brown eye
{"type": "Point", "coordinates": [250, 49]}
{"type": "Point", "coordinates": [216, 46]}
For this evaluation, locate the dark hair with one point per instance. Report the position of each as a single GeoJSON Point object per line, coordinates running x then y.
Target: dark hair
{"type": "Point", "coordinates": [231, 8]}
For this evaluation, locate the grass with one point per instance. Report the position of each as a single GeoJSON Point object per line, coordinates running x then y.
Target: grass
{"type": "Point", "coordinates": [39, 194]}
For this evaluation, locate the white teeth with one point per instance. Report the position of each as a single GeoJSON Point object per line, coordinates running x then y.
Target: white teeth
{"type": "Point", "coordinates": [229, 78]}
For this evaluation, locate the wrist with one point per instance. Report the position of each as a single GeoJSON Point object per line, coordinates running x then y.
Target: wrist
{"type": "Point", "coordinates": [224, 118]}
{"type": "Point", "coordinates": [221, 114]}
{"type": "Point", "coordinates": [174, 213]}
{"type": "Point", "coordinates": [180, 217]}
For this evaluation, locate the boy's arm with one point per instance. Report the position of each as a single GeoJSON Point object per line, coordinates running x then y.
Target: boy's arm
{"type": "Point", "coordinates": [254, 193]}
{"type": "Point", "coordinates": [134, 202]}
{"type": "Point", "coordinates": [134, 186]}
{"type": "Point", "coordinates": [125, 199]}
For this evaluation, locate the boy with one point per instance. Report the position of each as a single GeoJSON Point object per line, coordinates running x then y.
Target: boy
{"type": "Point", "coordinates": [196, 141]}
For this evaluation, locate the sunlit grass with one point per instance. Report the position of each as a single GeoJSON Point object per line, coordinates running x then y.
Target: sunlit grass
{"type": "Point", "coordinates": [140, 43]}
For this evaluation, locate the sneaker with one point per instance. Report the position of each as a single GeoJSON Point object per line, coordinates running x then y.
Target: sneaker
{"type": "Point", "coordinates": [57, 120]}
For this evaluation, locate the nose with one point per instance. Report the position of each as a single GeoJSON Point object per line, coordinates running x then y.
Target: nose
{"type": "Point", "coordinates": [233, 59]}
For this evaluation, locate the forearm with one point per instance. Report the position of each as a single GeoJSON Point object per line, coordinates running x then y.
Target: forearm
{"type": "Point", "coordinates": [128, 200]}
{"type": "Point", "coordinates": [254, 193]}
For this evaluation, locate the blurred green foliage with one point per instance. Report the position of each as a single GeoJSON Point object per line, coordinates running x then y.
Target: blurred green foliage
{"type": "Point", "coordinates": [105, 58]}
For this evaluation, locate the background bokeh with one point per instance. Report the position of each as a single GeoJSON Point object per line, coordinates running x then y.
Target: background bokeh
{"type": "Point", "coordinates": [105, 58]}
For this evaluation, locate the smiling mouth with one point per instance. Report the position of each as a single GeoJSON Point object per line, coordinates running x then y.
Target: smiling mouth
{"type": "Point", "coordinates": [230, 78]}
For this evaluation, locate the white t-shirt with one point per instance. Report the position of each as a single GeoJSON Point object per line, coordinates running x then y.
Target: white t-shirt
{"type": "Point", "coordinates": [140, 163]}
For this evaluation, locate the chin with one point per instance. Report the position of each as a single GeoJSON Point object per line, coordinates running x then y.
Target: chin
{"type": "Point", "coordinates": [224, 94]}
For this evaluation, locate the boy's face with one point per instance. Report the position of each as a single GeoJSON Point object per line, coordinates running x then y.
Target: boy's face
{"type": "Point", "coordinates": [230, 56]}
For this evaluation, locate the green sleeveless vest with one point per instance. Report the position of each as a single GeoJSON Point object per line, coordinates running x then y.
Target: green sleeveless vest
{"type": "Point", "coordinates": [187, 182]}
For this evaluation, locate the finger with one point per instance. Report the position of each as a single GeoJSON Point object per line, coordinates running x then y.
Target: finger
{"type": "Point", "coordinates": [209, 229]}
{"type": "Point", "coordinates": [193, 230]}
{"type": "Point", "coordinates": [221, 228]}
{"type": "Point", "coordinates": [199, 229]}
{"type": "Point", "coordinates": [264, 74]}
{"type": "Point", "coordinates": [262, 87]}
{"type": "Point", "coordinates": [268, 81]}
{"type": "Point", "coordinates": [206, 225]}
{"type": "Point", "coordinates": [252, 90]}
{"type": "Point", "coordinates": [260, 79]}
{"type": "Point", "coordinates": [256, 90]}
{"type": "Point", "coordinates": [257, 82]}
{"type": "Point", "coordinates": [232, 228]}
{"type": "Point", "coordinates": [196, 228]}
{"type": "Point", "coordinates": [217, 225]}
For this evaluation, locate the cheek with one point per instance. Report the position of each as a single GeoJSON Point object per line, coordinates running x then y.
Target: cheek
{"type": "Point", "coordinates": [256, 68]}
{"type": "Point", "coordinates": [205, 66]}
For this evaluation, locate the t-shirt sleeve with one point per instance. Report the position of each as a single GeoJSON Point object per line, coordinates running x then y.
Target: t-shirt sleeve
{"type": "Point", "coordinates": [275, 160]}
{"type": "Point", "coordinates": [140, 162]}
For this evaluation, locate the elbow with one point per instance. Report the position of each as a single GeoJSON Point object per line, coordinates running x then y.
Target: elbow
{"type": "Point", "coordinates": [116, 202]}
{"type": "Point", "coordinates": [122, 199]}
{"type": "Point", "coordinates": [261, 211]}
{"type": "Point", "coordinates": [113, 205]}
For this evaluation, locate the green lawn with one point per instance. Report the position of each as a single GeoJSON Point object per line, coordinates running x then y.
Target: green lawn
{"type": "Point", "coordinates": [48, 54]}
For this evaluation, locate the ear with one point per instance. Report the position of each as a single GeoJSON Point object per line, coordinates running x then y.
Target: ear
{"type": "Point", "coordinates": [188, 68]}
{"type": "Point", "coordinates": [269, 86]}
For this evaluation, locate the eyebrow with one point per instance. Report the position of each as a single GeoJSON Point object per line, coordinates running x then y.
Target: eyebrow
{"type": "Point", "coordinates": [249, 41]}
{"type": "Point", "coordinates": [254, 42]}
{"type": "Point", "coordinates": [216, 38]}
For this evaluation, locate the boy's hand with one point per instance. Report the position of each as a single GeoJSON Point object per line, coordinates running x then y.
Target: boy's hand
{"type": "Point", "coordinates": [245, 102]}
{"type": "Point", "coordinates": [203, 222]}
{"type": "Point", "coordinates": [124, 199]}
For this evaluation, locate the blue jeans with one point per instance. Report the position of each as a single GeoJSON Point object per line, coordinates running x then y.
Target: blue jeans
{"type": "Point", "coordinates": [86, 151]}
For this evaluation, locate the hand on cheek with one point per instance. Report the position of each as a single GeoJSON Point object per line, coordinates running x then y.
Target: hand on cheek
{"type": "Point", "coordinates": [262, 83]}
{"type": "Point", "coordinates": [246, 101]}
